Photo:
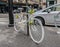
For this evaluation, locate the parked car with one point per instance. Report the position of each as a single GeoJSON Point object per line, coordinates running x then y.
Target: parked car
{"type": "Point", "coordinates": [49, 14]}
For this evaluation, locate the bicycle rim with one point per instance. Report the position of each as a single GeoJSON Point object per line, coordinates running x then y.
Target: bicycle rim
{"type": "Point", "coordinates": [17, 26]}
{"type": "Point", "coordinates": [36, 31]}
{"type": "Point", "coordinates": [19, 23]}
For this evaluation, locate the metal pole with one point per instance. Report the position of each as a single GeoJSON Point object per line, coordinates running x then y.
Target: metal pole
{"type": "Point", "coordinates": [11, 17]}
{"type": "Point", "coordinates": [39, 4]}
{"type": "Point", "coordinates": [27, 18]}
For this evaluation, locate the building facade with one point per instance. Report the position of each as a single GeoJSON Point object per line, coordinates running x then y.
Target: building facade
{"type": "Point", "coordinates": [36, 3]}
{"type": "Point", "coordinates": [48, 3]}
{"type": "Point", "coordinates": [58, 1]}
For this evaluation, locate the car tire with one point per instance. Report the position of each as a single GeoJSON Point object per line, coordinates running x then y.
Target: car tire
{"type": "Point", "coordinates": [41, 19]}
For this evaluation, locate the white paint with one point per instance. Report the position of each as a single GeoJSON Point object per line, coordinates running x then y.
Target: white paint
{"type": "Point", "coordinates": [3, 23]}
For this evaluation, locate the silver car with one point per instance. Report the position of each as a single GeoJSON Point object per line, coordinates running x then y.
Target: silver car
{"type": "Point", "coordinates": [49, 15]}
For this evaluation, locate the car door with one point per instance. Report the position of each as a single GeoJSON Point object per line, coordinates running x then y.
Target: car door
{"type": "Point", "coordinates": [57, 15]}
{"type": "Point", "coordinates": [49, 17]}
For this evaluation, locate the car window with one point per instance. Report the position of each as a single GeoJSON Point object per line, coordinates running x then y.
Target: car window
{"type": "Point", "coordinates": [53, 8]}
{"type": "Point", "coordinates": [58, 8]}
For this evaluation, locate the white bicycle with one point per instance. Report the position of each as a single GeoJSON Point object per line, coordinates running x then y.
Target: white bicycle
{"type": "Point", "coordinates": [36, 29]}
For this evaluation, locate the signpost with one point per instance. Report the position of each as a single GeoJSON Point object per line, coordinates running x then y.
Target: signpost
{"type": "Point", "coordinates": [27, 18]}
{"type": "Point", "coordinates": [11, 17]}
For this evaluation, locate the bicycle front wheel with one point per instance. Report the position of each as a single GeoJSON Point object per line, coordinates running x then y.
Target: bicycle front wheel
{"type": "Point", "coordinates": [36, 31]}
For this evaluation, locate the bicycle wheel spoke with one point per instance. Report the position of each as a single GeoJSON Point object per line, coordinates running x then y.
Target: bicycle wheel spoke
{"type": "Point", "coordinates": [36, 32]}
{"type": "Point", "coordinates": [17, 27]}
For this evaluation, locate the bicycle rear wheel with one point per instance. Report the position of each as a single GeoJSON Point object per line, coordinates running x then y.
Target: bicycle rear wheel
{"type": "Point", "coordinates": [36, 31]}
{"type": "Point", "coordinates": [19, 23]}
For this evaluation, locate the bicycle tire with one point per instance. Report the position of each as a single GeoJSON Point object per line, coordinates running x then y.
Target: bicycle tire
{"type": "Point", "coordinates": [35, 36]}
{"type": "Point", "coordinates": [19, 23]}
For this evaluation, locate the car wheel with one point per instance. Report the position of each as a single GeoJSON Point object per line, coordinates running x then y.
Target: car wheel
{"type": "Point", "coordinates": [41, 19]}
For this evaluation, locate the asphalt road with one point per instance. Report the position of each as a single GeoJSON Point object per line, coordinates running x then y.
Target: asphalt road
{"type": "Point", "coordinates": [10, 38]}
{"type": "Point", "coordinates": [2, 15]}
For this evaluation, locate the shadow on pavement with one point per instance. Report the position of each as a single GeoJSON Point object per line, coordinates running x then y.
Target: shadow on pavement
{"type": "Point", "coordinates": [51, 26]}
